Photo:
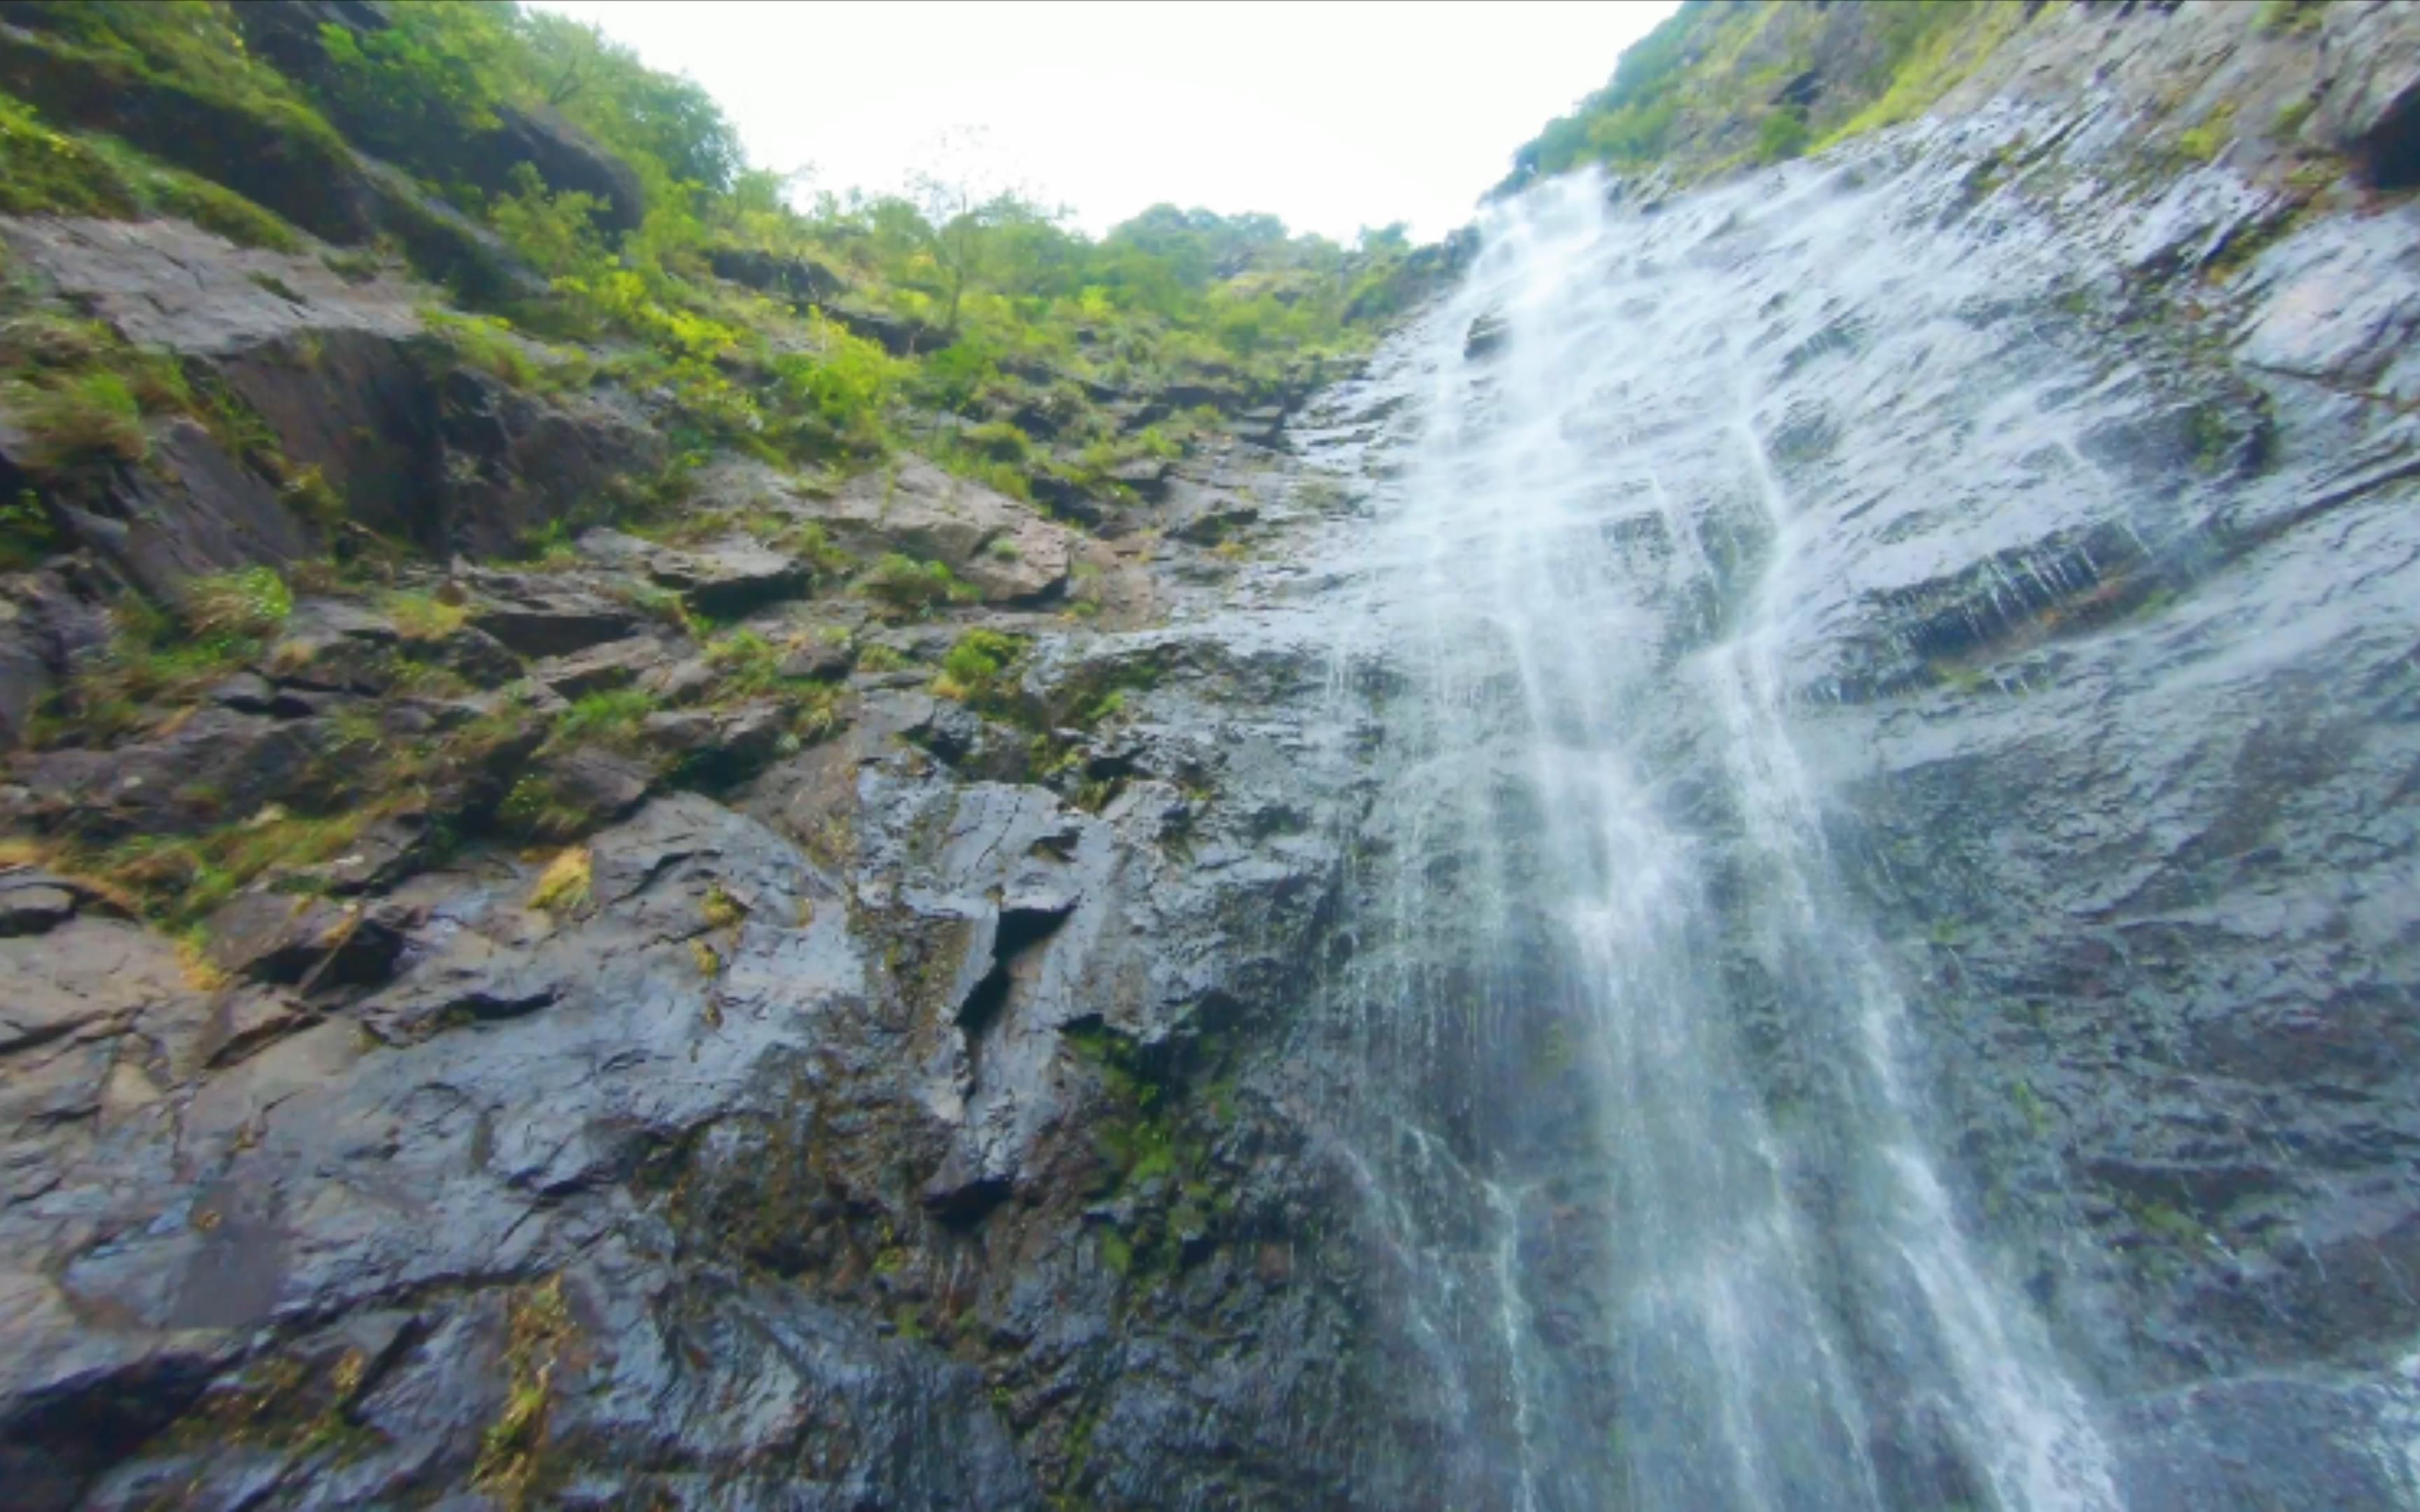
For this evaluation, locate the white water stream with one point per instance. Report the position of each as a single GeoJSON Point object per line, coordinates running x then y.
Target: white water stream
{"type": "Point", "coordinates": [1677, 1276]}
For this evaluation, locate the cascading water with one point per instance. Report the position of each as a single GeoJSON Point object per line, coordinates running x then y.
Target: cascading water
{"type": "Point", "coordinates": [1655, 1191]}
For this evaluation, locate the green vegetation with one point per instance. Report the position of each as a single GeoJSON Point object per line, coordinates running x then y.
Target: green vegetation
{"type": "Point", "coordinates": [537, 1326]}
{"type": "Point", "coordinates": [976, 668]}
{"type": "Point", "coordinates": [1723, 83]}
{"type": "Point", "coordinates": [908, 589]}
{"type": "Point", "coordinates": [563, 887]}
{"type": "Point", "coordinates": [2296, 16]}
{"type": "Point", "coordinates": [797, 331]}
{"type": "Point", "coordinates": [608, 717]}
{"type": "Point", "coordinates": [46, 171]}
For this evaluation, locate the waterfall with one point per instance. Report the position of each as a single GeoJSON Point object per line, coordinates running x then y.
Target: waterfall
{"type": "Point", "coordinates": [1656, 1192]}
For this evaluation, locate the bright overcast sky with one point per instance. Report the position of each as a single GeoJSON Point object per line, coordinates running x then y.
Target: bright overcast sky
{"type": "Point", "coordinates": [1333, 116]}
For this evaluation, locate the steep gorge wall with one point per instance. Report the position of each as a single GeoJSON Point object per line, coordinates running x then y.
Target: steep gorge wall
{"type": "Point", "coordinates": [868, 1076]}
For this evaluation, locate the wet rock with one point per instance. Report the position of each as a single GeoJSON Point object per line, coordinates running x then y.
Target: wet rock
{"type": "Point", "coordinates": [298, 941]}
{"type": "Point", "coordinates": [680, 681]}
{"type": "Point", "coordinates": [34, 903]}
{"type": "Point", "coordinates": [1261, 426]}
{"type": "Point", "coordinates": [801, 279]}
{"type": "Point", "coordinates": [387, 851]}
{"type": "Point", "coordinates": [1488, 335]}
{"type": "Point", "coordinates": [1147, 476]}
{"type": "Point", "coordinates": [900, 335]}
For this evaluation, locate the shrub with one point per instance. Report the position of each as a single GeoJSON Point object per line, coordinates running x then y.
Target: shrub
{"type": "Point", "coordinates": [90, 417]}
{"type": "Point", "coordinates": [250, 602]}
{"type": "Point", "coordinates": [26, 534]}
{"type": "Point", "coordinates": [563, 886]}
{"type": "Point", "coordinates": [1780, 135]}
{"type": "Point", "coordinates": [748, 664]}
{"type": "Point", "coordinates": [972, 672]}
{"type": "Point", "coordinates": [420, 616]}
{"type": "Point", "coordinates": [610, 717]}
{"type": "Point", "coordinates": [537, 809]}
{"type": "Point", "coordinates": [912, 588]}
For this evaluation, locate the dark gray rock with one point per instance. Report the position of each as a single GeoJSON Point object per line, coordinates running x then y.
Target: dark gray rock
{"type": "Point", "coordinates": [823, 656]}
{"type": "Point", "coordinates": [217, 766]}
{"type": "Point", "coordinates": [50, 623]}
{"type": "Point", "coordinates": [512, 465]}
{"type": "Point", "coordinates": [600, 668]}
{"type": "Point", "coordinates": [999, 545]}
{"type": "Point", "coordinates": [295, 940]}
{"type": "Point", "coordinates": [535, 617]}
{"type": "Point", "coordinates": [595, 782]}
{"type": "Point", "coordinates": [731, 577]}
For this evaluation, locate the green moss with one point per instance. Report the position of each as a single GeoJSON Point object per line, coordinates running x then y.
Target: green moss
{"type": "Point", "coordinates": [537, 1327]}
{"type": "Point", "coordinates": [419, 616]}
{"type": "Point", "coordinates": [175, 81]}
{"type": "Point", "coordinates": [1931, 48]}
{"type": "Point", "coordinates": [2289, 16]}
{"type": "Point", "coordinates": [46, 172]}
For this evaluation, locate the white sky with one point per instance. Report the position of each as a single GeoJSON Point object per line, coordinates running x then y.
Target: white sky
{"type": "Point", "coordinates": [1332, 117]}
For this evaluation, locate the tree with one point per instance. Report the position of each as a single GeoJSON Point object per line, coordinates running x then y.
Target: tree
{"type": "Point", "coordinates": [964, 194]}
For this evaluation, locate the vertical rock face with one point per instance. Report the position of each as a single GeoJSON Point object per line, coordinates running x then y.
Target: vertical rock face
{"type": "Point", "coordinates": [1772, 867]}
{"type": "Point", "coordinates": [1881, 947]}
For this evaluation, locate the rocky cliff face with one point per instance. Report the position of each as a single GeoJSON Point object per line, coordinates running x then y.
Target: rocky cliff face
{"type": "Point", "coordinates": [738, 1015]}
{"type": "Point", "coordinates": [634, 1038]}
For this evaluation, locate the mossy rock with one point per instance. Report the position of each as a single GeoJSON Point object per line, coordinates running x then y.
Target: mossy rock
{"type": "Point", "coordinates": [275, 153]}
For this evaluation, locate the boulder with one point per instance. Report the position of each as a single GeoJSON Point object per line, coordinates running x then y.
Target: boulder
{"type": "Point", "coordinates": [898, 334]}
{"type": "Point", "coordinates": [327, 365]}
{"type": "Point", "coordinates": [567, 158]}
{"type": "Point", "coordinates": [826, 658]}
{"type": "Point", "coordinates": [33, 901]}
{"type": "Point", "coordinates": [536, 616]}
{"type": "Point", "coordinates": [801, 279]}
{"type": "Point", "coordinates": [600, 668]}
{"type": "Point", "coordinates": [730, 577]}
{"type": "Point", "coordinates": [512, 464]}
{"type": "Point", "coordinates": [189, 512]}
{"type": "Point", "coordinates": [1001, 545]}
{"type": "Point", "coordinates": [214, 767]}
{"type": "Point", "coordinates": [600, 783]}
